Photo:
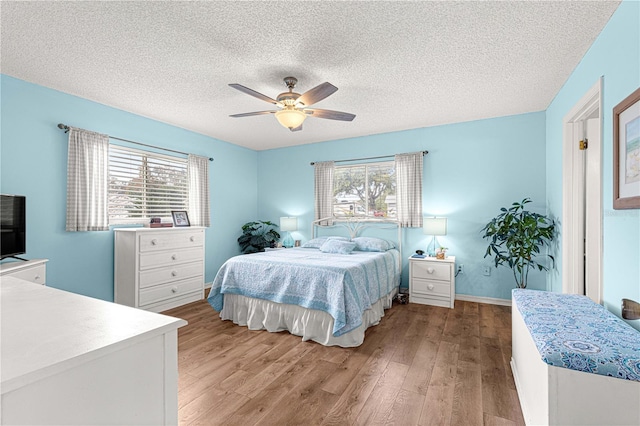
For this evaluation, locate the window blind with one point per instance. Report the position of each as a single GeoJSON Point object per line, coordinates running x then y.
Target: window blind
{"type": "Point", "coordinates": [145, 184]}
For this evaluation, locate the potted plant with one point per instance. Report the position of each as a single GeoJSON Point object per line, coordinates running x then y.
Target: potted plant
{"type": "Point", "coordinates": [257, 235]}
{"type": "Point", "coordinates": [516, 237]}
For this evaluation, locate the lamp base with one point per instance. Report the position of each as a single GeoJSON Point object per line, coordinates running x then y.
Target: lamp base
{"type": "Point", "coordinates": [287, 241]}
{"type": "Point", "coordinates": [432, 247]}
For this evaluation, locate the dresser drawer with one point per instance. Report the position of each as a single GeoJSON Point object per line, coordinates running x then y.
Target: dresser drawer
{"type": "Point", "coordinates": [169, 257]}
{"type": "Point", "coordinates": [35, 274]}
{"type": "Point", "coordinates": [431, 270]}
{"type": "Point", "coordinates": [168, 291]}
{"type": "Point", "coordinates": [428, 287]}
{"type": "Point", "coordinates": [171, 240]}
{"type": "Point", "coordinates": [168, 274]}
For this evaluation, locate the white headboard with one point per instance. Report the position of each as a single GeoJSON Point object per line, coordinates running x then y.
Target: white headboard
{"type": "Point", "coordinates": [355, 226]}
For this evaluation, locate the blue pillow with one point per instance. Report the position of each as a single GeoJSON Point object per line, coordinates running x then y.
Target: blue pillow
{"type": "Point", "coordinates": [373, 244]}
{"type": "Point", "coordinates": [337, 246]}
{"type": "Point", "coordinates": [318, 242]}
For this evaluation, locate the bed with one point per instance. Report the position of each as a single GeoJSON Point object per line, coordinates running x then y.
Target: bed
{"type": "Point", "coordinates": [323, 291]}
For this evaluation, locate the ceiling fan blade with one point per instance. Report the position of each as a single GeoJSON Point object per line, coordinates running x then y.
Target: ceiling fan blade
{"type": "Point", "coordinates": [249, 114]}
{"type": "Point", "coordinates": [317, 94]}
{"type": "Point", "coordinates": [297, 128]}
{"type": "Point", "coordinates": [255, 94]}
{"type": "Point", "coordinates": [331, 115]}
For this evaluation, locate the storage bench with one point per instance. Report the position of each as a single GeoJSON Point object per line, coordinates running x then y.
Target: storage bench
{"type": "Point", "coordinates": [573, 362]}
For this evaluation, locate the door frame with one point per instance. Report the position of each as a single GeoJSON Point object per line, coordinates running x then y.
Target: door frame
{"type": "Point", "coordinates": [590, 105]}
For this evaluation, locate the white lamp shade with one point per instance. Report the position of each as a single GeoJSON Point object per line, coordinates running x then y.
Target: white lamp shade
{"type": "Point", "coordinates": [288, 223]}
{"type": "Point", "coordinates": [290, 118]}
{"type": "Point", "coordinates": [434, 225]}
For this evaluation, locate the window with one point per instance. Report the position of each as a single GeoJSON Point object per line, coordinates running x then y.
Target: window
{"type": "Point", "coordinates": [145, 184]}
{"type": "Point", "coordinates": [365, 190]}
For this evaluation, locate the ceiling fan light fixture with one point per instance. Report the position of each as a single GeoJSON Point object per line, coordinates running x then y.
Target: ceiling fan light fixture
{"type": "Point", "coordinates": [290, 117]}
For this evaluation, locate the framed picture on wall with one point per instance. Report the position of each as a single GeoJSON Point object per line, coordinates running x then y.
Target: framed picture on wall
{"type": "Point", "coordinates": [626, 153]}
{"type": "Point", "coordinates": [180, 218]}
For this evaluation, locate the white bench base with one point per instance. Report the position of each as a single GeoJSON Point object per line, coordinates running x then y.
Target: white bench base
{"type": "Point", "coordinates": [559, 396]}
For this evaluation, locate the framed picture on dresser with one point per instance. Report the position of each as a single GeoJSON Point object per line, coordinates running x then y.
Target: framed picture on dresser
{"type": "Point", "coordinates": [180, 218]}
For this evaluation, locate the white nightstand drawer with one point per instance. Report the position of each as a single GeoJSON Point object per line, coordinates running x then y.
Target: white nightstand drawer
{"type": "Point", "coordinates": [171, 273]}
{"type": "Point", "coordinates": [432, 282]}
{"type": "Point", "coordinates": [170, 257]}
{"type": "Point", "coordinates": [168, 291]}
{"type": "Point", "coordinates": [431, 270]}
{"type": "Point", "coordinates": [444, 302]}
{"type": "Point", "coordinates": [428, 287]}
{"type": "Point", "coordinates": [171, 240]}
{"type": "Point", "coordinates": [35, 274]}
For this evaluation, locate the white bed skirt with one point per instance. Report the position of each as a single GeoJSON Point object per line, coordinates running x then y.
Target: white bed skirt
{"type": "Point", "coordinates": [311, 324]}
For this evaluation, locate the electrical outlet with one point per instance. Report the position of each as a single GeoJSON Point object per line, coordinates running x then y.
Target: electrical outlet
{"type": "Point", "coordinates": [461, 269]}
{"type": "Point", "coordinates": [486, 271]}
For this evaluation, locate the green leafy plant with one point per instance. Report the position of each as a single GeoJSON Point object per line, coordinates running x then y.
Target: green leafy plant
{"type": "Point", "coordinates": [257, 235]}
{"type": "Point", "coordinates": [515, 239]}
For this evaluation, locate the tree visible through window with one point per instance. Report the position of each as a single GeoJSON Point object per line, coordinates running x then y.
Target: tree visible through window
{"type": "Point", "coordinates": [365, 190]}
{"type": "Point", "coordinates": [144, 184]}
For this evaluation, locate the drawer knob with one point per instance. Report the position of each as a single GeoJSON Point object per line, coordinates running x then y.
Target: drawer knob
{"type": "Point", "coordinates": [192, 238]}
{"type": "Point", "coordinates": [174, 257]}
{"type": "Point", "coordinates": [174, 274]}
{"type": "Point", "coordinates": [37, 277]}
{"type": "Point", "coordinates": [430, 286]}
{"type": "Point", "coordinates": [430, 270]}
{"type": "Point", "coordinates": [174, 289]}
{"type": "Point", "coordinates": [154, 242]}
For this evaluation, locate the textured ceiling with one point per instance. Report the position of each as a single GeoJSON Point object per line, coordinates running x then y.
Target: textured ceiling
{"type": "Point", "coordinates": [398, 65]}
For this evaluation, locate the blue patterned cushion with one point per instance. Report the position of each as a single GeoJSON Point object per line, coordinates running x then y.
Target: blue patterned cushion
{"type": "Point", "coordinates": [318, 242]}
{"type": "Point", "coordinates": [573, 332]}
{"type": "Point", "coordinates": [372, 244]}
{"type": "Point", "coordinates": [337, 246]}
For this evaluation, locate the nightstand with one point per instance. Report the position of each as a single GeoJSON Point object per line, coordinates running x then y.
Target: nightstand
{"type": "Point", "coordinates": [432, 281]}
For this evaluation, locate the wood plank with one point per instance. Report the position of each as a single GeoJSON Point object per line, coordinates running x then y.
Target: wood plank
{"type": "Point", "coordinates": [419, 375]}
{"type": "Point", "coordinates": [254, 385]}
{"type": "Point", "coordinates": [438, 403]}
{"type": "Point", "coordinates": [490, 420]}
{"type": "Point", "coordinates": [377, 407]}
{"type": "Point", "coordinates": [274, 394]}
{"type": "Point", "coordinates": [234, 376]}
{"type": "Point", "coordinates": [406, 409]}
{"type": "Point", "coordinates": [350, 403]}
{"type": "Point", "coordinates": [467, 395]}
{"type": "Point", "coordinates": [306, 401]}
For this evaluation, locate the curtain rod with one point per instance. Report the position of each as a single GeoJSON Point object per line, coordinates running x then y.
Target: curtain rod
{"type": "Point", "coordinates": [366, 158]}
{"type": "Point", "coordinates": [67, 128]}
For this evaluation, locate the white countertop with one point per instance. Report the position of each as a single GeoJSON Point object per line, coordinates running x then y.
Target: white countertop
{"type": "Point", "coordinates": [45, 330]}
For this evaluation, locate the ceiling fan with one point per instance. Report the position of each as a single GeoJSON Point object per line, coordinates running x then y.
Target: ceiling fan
{"type": "Point", "coordinates": [293, 105]}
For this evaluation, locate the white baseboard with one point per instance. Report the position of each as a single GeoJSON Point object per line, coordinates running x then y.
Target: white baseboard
{"type": "Point", "coordinates": [207, 286]}
{"type": "Point", "coordinates": [480, 299]}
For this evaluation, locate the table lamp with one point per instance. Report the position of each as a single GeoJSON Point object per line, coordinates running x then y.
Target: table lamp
{"type": "Point", "coordinates": [288, 224]}
{"type": "Point", "coordinates": [434, 226]}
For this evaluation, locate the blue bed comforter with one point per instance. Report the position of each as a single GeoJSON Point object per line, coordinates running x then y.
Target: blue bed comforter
{"type": "Point", "coordinates": [343, 285]}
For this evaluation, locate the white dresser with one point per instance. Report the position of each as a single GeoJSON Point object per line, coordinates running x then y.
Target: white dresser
{"type": "Point", "coordinates": [159, 269]}
{"type": "Point", "coordinates": [69, 359]}
{"type": "Point", "coordinates": [432, 281]}
{"type": "Point", "coordinates": [34, 271]}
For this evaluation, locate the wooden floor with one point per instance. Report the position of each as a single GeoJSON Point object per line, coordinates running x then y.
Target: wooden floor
{"type": "Point", "coordinates": [422, 365]}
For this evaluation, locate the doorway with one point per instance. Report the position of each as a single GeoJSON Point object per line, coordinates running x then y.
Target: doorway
{"type": "Point", "coordinates": [582, 197]}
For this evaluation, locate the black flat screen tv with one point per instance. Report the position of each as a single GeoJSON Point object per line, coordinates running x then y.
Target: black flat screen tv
{"type": "Point", "coordinates": [12, 225]}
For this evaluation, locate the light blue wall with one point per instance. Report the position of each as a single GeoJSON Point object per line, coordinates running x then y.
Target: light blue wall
{"type": "Point", "coordinates": [34, 163]}
{"type": "Point", "coordinates": [472, 170]}
{"type": "Point", "coordinates": [615, 55]}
